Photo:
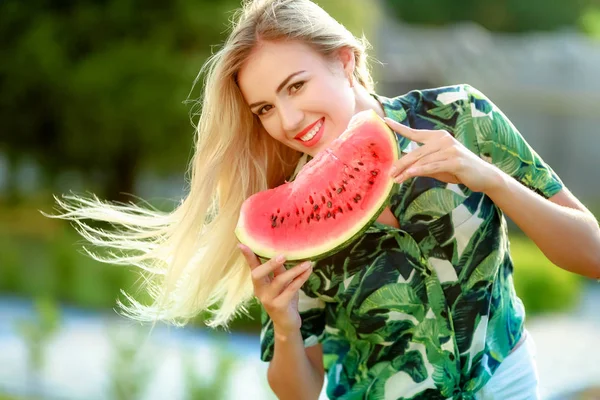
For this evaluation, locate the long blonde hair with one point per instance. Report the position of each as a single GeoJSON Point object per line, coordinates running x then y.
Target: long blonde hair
{"type": "Point", "coordinates": [188, 257]}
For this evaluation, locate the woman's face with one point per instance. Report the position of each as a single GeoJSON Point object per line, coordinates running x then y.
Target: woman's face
{"type": "Point", "coordinates": [302, 99]}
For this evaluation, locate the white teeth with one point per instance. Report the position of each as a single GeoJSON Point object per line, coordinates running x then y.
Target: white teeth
{"type": "Point", "coordinates": [311, 134]}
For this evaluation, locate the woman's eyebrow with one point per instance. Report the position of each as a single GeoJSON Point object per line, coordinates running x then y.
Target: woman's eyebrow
{"type": "Point", "coordinates": [279, 88]}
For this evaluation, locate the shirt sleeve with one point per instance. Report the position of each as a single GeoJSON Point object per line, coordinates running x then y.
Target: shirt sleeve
{"type": "Point", "coordinates": [501, 144]}
{"type": "Point", "coordinates": [312, 314]}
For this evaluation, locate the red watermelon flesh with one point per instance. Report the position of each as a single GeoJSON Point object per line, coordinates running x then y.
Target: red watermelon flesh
{"type": "Point", "coordinates": [333, 199]}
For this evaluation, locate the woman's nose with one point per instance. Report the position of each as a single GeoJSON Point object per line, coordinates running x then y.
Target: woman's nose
{"type": "Point", "coordinates": [291, 117]}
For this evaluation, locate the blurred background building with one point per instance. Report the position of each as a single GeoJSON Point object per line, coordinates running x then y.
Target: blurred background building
{"type": "Point", "coordinates": [96, 96]}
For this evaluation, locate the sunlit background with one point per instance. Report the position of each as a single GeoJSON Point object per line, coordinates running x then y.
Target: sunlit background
{"type": "Point", "coordinates": [93, 100]}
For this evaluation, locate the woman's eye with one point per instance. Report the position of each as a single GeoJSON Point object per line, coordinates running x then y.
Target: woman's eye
{"type": "Point", "coordinates": [296, 86]}
{"type": "Point", "coordinates": [263, 110]}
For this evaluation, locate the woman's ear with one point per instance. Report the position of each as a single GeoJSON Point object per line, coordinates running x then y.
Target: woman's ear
{"type": "Point", "coordinates": [346, 56]}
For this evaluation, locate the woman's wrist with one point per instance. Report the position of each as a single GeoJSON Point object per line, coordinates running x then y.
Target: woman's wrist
{"type": "Point", "coordinates": [496, 182]}
{"type": "Point", "coordinates": [283, 334]}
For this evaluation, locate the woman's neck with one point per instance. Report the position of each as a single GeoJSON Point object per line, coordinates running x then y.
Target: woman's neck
{"type": "Point", "coordinates": [364, 101]}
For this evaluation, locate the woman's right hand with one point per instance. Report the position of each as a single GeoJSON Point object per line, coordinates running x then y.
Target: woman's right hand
{"type": "Point", "coordinates": [279, 293]}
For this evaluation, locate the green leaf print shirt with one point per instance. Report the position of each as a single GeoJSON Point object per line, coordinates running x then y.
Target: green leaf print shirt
{"type": "Point", "coordinates": [427, 311]}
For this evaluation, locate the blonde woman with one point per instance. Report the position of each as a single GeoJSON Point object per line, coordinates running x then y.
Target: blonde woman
{"type": "Point", "coordinates": [422, 306]}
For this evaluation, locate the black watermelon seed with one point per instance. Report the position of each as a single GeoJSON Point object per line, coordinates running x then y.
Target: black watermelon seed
{"type": "Point", "coordinates": [329, 215]}
{"type": "Point", "coordinates": [360, 163]}
{"type": "Point", "coordinates": [349, 206]}
{"type": "Point", "coordinates": [371, 182]}
{"type": "Point", "coordinates": [315, 207]}
{"type": "Point", "coordinates": [308, 220]}
{"type": "Point", "coordinates": [318, 216]}
{"type": "Point", "coordinates": [274, 224]}
{"type": "Point", "coordinates": [358, 196]}
{"type": "Point", "coordinates": [355, 200]}
{"type": "Point", "coordinates": [302, 210]}
{"type": "Point", "coordinates": [356, 169]}
{"type": "Point", "coordinates": [339, 190]}
{"type": "Point", "coordinates": [282, 218]}
{"type": "Point", "coordinates": [311, 200]}
{"type": "Point", "coordinates": [323, 199]}
{"type": "Point", "coordinates": [297, 212]}
{"type": "Point", "coordinates": [329, 204]}
{"type": "Point", "coordinates": [374, 155]}
{"type": "Point", "coordinates": [372, 144]}
{"type": "Point", "coordinates": [312, 215]}
{"type": "Point", "coordinates": [374, 172]}
{"type": "Point", "coordinates": [351, 176]}
{"type": "Point", "coordinates": [329, 194]}
{"type": "Point", "coordinates": [345, 182]}
{"type": "Point", "coordinates": [340, 209]}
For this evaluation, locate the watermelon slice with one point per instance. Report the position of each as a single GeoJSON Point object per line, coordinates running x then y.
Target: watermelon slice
{"type": "Point", "coordinates": [334, 198]}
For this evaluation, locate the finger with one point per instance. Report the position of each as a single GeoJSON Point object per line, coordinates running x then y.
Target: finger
{"type": "Point", "coordinates": [283, 280]}
{"type": "Point", "coordinates": [262, 272]}
{"type": "Point", "coordinates": [249, 255]}
{"type": "Point", "coordinates": [416, 135]}
{"type": "Point", "coordinates": [413, 157]}
{"type": "Point", "coordinates": [279, 271]}
{"type": "Point", "coordinates": [430, 165]}
{"type": "Point", "coordinates": [290, 291]}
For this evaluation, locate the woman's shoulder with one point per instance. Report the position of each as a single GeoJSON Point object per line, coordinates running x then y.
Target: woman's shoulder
{"type": "Point", "coordinates": [422, 101]}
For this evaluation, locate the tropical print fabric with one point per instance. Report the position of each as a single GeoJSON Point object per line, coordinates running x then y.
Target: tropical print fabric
{"type": "Point", "coordinates": [427, 311]}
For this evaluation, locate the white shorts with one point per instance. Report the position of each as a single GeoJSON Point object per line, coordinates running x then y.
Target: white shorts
{"type": "Point", "coordinates": [516, 378]}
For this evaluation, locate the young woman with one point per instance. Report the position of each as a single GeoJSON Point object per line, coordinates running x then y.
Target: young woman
{"type": "Point", "coordinates": [423, 305]}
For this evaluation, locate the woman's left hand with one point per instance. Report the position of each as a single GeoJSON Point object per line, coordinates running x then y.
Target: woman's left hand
{"type": "Point", "coordinates": [441, 157]}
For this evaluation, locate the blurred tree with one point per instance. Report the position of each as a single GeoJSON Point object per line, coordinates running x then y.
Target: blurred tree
{"type": "Point", "coordinates": [590, 21]}
{"type": "Point", "coordinates": [495, 15]}
{"type": "Point", "coordinates": [98, 86]}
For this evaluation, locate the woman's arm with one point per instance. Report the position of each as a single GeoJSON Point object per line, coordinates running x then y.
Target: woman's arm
{"type": "Point", "coordinates": [295, 372]}
{"type": "Point", "coordinates": [564, 230]}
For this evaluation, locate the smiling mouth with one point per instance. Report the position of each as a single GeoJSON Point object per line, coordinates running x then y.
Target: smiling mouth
{"type": "Point", "coordinates": [312, 131]}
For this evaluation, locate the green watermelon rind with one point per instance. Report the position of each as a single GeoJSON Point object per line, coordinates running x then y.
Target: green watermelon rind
{"type": "Point", "coordinates": [266, 253]}
{"type": "Point", "coordinates": [292, 262]}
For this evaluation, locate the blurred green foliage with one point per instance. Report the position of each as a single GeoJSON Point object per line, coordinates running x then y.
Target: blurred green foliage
{"type": "Point", "coordinates": [36, 333]}
{"type": "Point", "coordinates": [132, 365]}
{"type": "Point", "coordinates": [130, 370]}
{"type": "Point", "coordinates": [98, 86]}
{"type": "Point", "coordinates": [200, 387]}
{"type": "Point", "coordinates": [497, 15]}
{"type": "Point", "coordinates": [541, 285]}
{"type": "Point", "coordinates": [590, 22]}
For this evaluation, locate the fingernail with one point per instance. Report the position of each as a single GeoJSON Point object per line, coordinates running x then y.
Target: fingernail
{"type": "Point", "coordinates": [280, 258]}
{"type": "Point", "coordinates": [240, 246]}
{"type": "Point", "coordinates": [393, 171]}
